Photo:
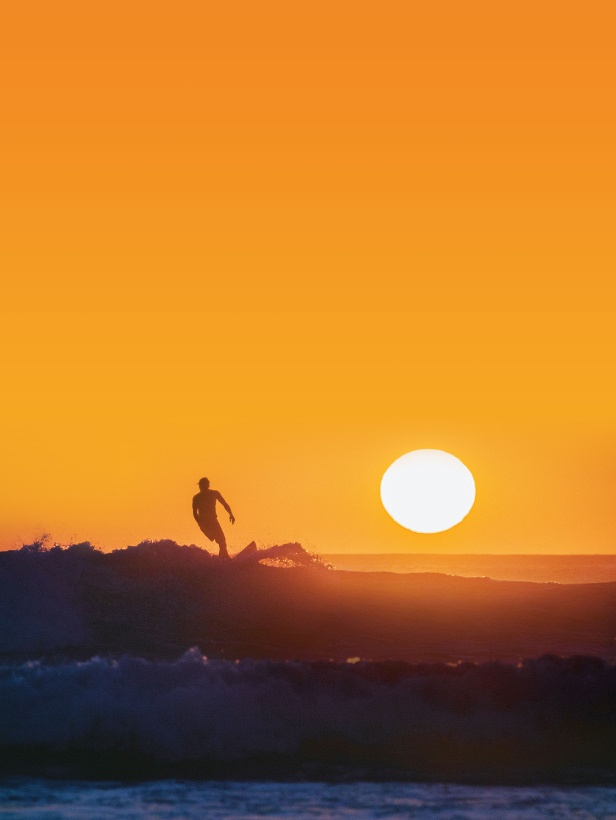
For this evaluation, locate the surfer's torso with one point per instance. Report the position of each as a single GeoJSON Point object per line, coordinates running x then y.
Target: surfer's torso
{"type": "Point", "coordinates": [205, 504]}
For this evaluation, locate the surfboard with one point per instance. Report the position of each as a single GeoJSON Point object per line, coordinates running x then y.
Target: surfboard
{"type": "Point", "coordinates": [294, 552]}
{"type": "Point", "coordinates": [248, 552]}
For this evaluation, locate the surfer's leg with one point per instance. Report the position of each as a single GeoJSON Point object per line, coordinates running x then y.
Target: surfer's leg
{"type": "Point", "coordinates": [220, 539]}
{"type": "Point", "coordinates": [213, 531]}
{"type": "Point", "coordinates": [206, 529]}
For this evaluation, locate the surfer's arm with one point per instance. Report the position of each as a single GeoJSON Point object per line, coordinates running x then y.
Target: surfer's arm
{"type": "Point", "coordinates": [196, 509]}
{"type": "Point", "coordinates": [227, 507]}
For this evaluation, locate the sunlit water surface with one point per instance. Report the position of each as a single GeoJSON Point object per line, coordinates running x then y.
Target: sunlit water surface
{"type": "Point", "coordinates": [172, 800]}
{"type": "Point", "coordinates": [559, 569]}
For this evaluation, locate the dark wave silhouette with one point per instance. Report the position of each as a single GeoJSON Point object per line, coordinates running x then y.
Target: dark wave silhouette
{"type": "Point", "coordinates": [158, 599]}
{"type": "Point", "coordinates": [543, 719]}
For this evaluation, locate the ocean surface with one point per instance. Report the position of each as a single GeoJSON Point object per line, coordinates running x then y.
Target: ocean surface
{"type": "Point", "coordinates": [560, 569]}
{"type": "Point", "coordinates": [159, 599]}
{"type": "Point", "coordinates": [184, 800]}
{"type": "Point", "coordinates": [154, 682]}
{"type": "Point", "coordinates": [546, 719]}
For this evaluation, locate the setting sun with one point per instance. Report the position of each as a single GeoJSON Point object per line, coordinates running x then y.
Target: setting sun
{"type": "Point", "coordinates": [428, 491]}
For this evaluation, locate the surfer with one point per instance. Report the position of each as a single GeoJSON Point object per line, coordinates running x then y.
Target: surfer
{"type": "Point", "coordinates": [204, 511]}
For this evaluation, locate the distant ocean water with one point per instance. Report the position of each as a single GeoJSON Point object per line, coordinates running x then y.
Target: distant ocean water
{"type": "Point", "coordinates": [560, 569]}
{"type": "Point", "coordinates": [178, 800]}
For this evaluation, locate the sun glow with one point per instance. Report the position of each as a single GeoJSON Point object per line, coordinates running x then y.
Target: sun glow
{"type": "Point", "coordinates": [428, 491]}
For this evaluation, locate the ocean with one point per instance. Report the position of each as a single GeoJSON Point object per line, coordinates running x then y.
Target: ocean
{"type": "Point", "coordinates": [187, 800]}
{"type": "Point", "coordinates": [559, 569]}
{"type": "Point", "coordinates": [155, 683]}
{"type": "Point", "coordinates": [544, 719]}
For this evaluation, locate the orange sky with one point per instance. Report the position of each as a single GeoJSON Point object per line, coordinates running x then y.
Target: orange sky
{"type": "Point", "coordinates": [281, 244]}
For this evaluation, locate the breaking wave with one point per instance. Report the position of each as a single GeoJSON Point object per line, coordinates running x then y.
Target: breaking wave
{"type": "Point", "coordinates": [157, 599]}
{"type": "Point", "coordinates": [550, 716]}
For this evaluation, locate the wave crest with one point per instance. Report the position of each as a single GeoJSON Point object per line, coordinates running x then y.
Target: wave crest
{"type": "Point", "coordinates": [424, 720]}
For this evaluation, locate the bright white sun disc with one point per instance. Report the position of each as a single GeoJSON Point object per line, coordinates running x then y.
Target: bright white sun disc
{"type": "Point", "coordinates": [428, 490]}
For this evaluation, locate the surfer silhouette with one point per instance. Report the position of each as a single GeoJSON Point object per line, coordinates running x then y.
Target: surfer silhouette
{"type": "Point", "coordinates": [204, 511]}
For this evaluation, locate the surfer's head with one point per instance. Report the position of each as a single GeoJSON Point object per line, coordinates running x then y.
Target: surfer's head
{"type": "Point", "coordinates": [204, 483]}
